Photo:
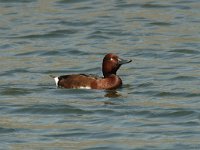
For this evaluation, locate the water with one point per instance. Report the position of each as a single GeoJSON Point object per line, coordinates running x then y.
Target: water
{"type": "Point", "coordinates": [158, 106]}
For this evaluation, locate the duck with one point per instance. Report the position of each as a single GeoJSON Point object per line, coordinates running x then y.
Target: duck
{"type": "Point", "coordinates": [109, 81]}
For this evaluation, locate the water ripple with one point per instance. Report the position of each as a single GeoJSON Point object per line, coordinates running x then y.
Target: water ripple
{"type": "Point", "coordinates": [184, 78]}
{"type": "Point", "coordinates": [160, 24]}
{"type": "Point", "coordinates": [72, 1]}
{"type": "Point", "coordinates": [6, 130]}
{"type": "Point", "coordinates": [49, 109]}
{"type": "Point", "coordinates": [52, 34]}
{"type": "Point", "coordinates": [174, 114]}
{"type": "Point", "coordinates": [158, 104]}
{"type": "Point", "coordinates": [185, 51]}
{"type": "Point", "coordinates": [14, 71]}
{"type": "Point", "coordinates": [19, 1]}
{"type": "Point", "coordinates": [77, 23]}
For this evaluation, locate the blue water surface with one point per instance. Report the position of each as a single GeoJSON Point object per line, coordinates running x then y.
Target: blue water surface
{"type": "Point", "coordinates": [158, 106]}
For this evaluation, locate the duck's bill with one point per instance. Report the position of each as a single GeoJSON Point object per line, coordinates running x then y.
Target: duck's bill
{"type": "Point", "coordinates": [123, 61]}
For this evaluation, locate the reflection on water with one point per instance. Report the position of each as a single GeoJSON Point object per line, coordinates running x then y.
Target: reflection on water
{"type": "Point", "coordinates": [156, 108]}
{"type": "Point", "coordinates": [112, 94]}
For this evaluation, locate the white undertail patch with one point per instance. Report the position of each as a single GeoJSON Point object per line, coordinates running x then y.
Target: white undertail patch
{"type": "Point", "coordinates": [56, 80]}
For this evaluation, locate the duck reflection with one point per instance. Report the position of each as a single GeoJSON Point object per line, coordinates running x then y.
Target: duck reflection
{"type": "Point", "coordinates": [112, 94]}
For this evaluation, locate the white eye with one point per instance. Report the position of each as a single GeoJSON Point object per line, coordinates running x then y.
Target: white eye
{"type": "Point", "coordinates": [111, 59]}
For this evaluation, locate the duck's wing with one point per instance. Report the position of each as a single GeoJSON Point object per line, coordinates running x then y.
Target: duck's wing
{"type": "Point", "coordinates": [75, 80]}
{"type": "Point", "coordinates": [94, 76]}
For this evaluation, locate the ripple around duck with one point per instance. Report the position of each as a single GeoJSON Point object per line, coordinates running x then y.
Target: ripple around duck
{"type": "Point", "coordinates": [185, 51]}
{"type": "Point", "coordinates": [109, 147]}
{"type": "Point", "coordinates": [51, 34]}
{"type": "Point", "coordinates": [172, 94]}
{"type": "Point", "coordinates": [107, 33]}
{"type": "Point", "coordinates": [41, 53]}
{"type": "Point", "coordinates": [148, 84]}
{"type": "Point", "coordinates": [154, 5]}
{"type": "Point", "coordinates": [16, 91]}
{"type": "Point", "coordinates": [174, 113]}
{"type": "Point", "coordinates": [185, 78]}
{"type": "Point", "coordinates": [160, 24]}
{"type": "Point", "coordinates": [58, 52]}
{"type": "Point", "coordinates": [77, 52]}
{"type": "Point", "coordinates": [145, 5]}
{"type": "Point", "coordinates": [49, 109]}
{"type": "Point", "coordinates": [14, 71]}
{"type": "Point", "coordinates": [77, 23]}
{"type": "Point", "coordinates": [6, 130]}
{"type": "Point", "coordinates": [32, 53]}
{"type": "Point", "coordinates": [18, 1]}
{"type": "Point", "coordinates": [165, 113]}
{"type": "Point", "coordinates": [72, 1]}
{"type": "Point", "coordinates": [123, 5]}
{"type": "Point", "coordinates": [166, 93]}
{"type": "Point", "coordinates": [61, 52]}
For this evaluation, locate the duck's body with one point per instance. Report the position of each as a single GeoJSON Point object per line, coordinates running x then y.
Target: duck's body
{"type": "Point", "coordinates": [111, 63]}
{"type": "Point", "coordinates": [83, 81]}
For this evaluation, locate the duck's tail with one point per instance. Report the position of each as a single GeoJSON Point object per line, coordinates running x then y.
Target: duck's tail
{"type": "Point", "coordinates": [55, 78]}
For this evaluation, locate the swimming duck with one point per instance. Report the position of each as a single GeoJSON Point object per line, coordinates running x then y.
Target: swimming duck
{"type": "Point", "coordinates": [110, 80]}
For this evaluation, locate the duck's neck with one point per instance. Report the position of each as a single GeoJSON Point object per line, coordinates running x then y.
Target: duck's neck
{"type": "Point", "coordinates": [107, 75]}
{"type": "Point", "coordinates": [113, 81]}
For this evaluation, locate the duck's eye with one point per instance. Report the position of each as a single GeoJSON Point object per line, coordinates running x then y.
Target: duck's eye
{"type": "Point", "coordinates": [114, 59]}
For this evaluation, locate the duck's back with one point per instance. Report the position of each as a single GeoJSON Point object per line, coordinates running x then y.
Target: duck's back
{"type": "Point", "coordinates": [81, 81]}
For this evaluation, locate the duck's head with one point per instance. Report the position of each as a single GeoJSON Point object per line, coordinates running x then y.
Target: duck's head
{"type": "Point", "coordinates": [111, 63]}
